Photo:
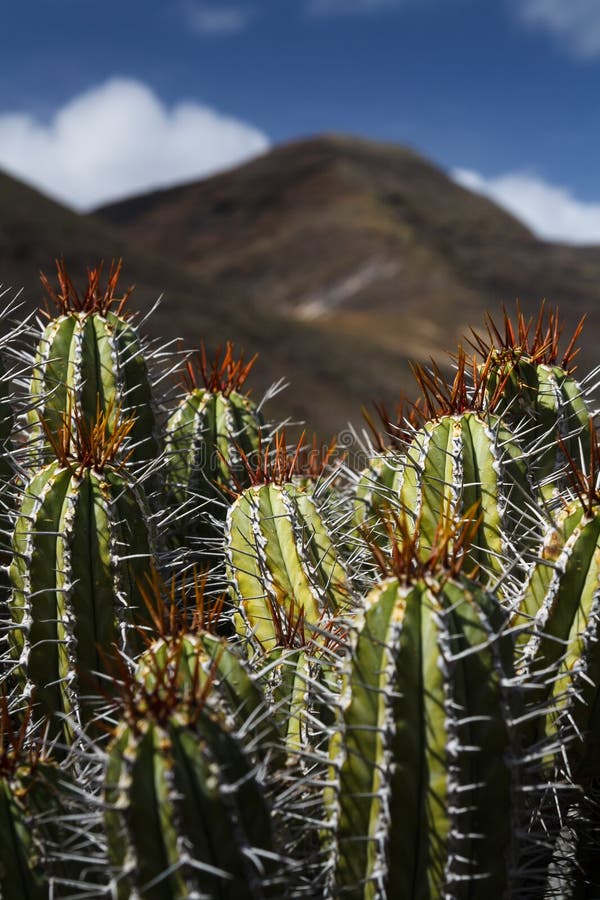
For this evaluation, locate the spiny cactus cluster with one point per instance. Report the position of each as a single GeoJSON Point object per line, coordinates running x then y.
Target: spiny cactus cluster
{"type": "Point", "coordinates": [236, 666]}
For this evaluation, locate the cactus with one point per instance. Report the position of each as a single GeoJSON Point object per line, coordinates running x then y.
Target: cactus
{"type": "Point", "coordinates": [378, 483]}
{"type": "Point", "coordinates": [464, 459]}
{"type": "Point", "coordinates": [280, 555]}
{"type": "Point", "coordinates": [35, 845]}
{"type": "Point", "coordinates": [21, 870]}
{"type": "Point", "coordinates": [213, 424]}
{"type": "Point", "coordinates": [298, 678]}
{"type": "Point", "coordinates": [185, 814]}
{"type": "Point", "coordinates": [377, 486]}
{"type": "Point", "coordinates": [205, 663]}
{"type": "Point", "coordinates": [82, 541]}
{"type": "Point", "coordinates": [539, 395]}
{"type": "Point", "coordinates": [557, 616]}
{"type": "Point", "coordinates": [91, 351]}
{"type": "Point", "coordinates": [426, 730]}
{"type": "Point", "coordinates": [420, 803]}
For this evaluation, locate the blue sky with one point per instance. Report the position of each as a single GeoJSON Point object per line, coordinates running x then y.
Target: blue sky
{"type": "Point", "coordinates": [101, 100]}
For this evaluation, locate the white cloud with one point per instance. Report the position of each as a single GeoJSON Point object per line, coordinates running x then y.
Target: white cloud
{"type": "Point", "coordinates": [119, 138]}
{"type": "Point", "coordinates": [350, 7]}
{"type": "Point", "coordinates": [210, 21]}
{"type": "Point", "coordinates": [552, 212]}
{"type": "Point", "coordinates": [575, 21]}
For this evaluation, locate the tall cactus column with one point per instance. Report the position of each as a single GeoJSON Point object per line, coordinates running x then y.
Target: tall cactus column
{"type": "Point", "coordinates": [214, 423]}
{"type": "Point", "coordinates": [465, 461]}
{"type": "Point", "coordinates": [82, 544]}
{"type": "Point", "coordinates": [420, 801]}
{"type": "Point", "coordinates": [557, 649]}
{"type": "Point", "coordinates": [539, 395]}
{"type": "Point", "coordinates": [185, 813]}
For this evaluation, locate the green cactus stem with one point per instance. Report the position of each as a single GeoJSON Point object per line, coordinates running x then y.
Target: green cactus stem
{"type": "Point", "coordinates": [34, 833]}
{"type": "Point", "coordinates": [207, 664]}
{"type": "Point", "coordinates": [464, 459]}
{"type": "Point", "coordinates": [298, 680]}
{"type": "Point", "coordinates": [213, 424]}
{"type": "Point", "coordinates": [21, 870]}
{"type": "Point", "coordinates": [185, 814]}
{"type": "Point", "coordinates": [557, 615]}
{"type": "Point", "coordinates": [281, 556]}
{"type": "Point", "coordinates": [82, 543]}
{"type": "Point", "coordinates": [91, 353]}
{"type": "Point", "coordinates": [539, 395]}
{"type": "Point", "coordinates": [378, 483]}
{"type": "Point", "coordinates": [377, 486]}
{"type": "Point", "coordinates": [420, 802]}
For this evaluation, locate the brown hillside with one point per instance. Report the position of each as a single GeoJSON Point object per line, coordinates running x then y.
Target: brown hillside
{"type": "Point", "coordinates": [363, 238]}
{"type": "Point", "coordinates": [336, 259]}
{"type": "Point", "coordinates": [324, 390]}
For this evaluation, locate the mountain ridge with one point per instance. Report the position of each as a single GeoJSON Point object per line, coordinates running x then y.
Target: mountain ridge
{"type": "Point", "coordinates": [362, 236]}
{"type": "Point", "coordinates": [336, 258]}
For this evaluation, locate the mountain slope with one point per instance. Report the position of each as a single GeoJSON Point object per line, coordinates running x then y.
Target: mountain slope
{"type": "Point", "coordinates": [325, 391]}
{"type": "Point", "coordinates": [367, 239]}
{"type": "Point", "coordinates": [336, 259]}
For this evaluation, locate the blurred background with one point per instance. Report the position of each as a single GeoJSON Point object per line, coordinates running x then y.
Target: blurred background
{"type": "Point", "coordinates": [339, 185]}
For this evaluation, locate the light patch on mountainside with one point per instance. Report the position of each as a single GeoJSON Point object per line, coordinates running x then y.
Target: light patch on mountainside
{"type": "Point", "coordinates": [335, 295]}
{"type": "Point", "coordinates": [551, 211]}
{"type": "Point", "coordinates": [119, 139]}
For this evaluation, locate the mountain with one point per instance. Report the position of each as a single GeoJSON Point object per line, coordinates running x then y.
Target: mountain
{"type": "Point", "coordinates": [324, 390]}
{"type": "Point", "coordinates": [369, 240]}
{"type": "Point", "coordinates": [337, 259]}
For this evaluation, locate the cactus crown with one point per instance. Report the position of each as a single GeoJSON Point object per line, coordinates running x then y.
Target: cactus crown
{"type": "Point", "coordinates": [178, 607]}
{"type": "Point", "coordinates": [467, 393]}
{"type": "Point", "coordinates": [138, 702]}
{"type": "Point", "coordinates": [277, 463]}
{"type": "Point", "coordinates": [314, 458]}
{"type": "Point", "coordinates": [399, 427]}
{"type": "Point", "coordinates": [404, 558]}
{"type": "Point", "coordinates": [79, 445]}
{"type": "Point", "coordinates": [288, 624]}
{"type": "Point", "coordinates": [95, 298]}
{"type": "Point", "coordinates": [539, 343]}
{"type": "Point", "coordinates": [291, 633]}
{"type": "Point", "coordinates": [224, 374]}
